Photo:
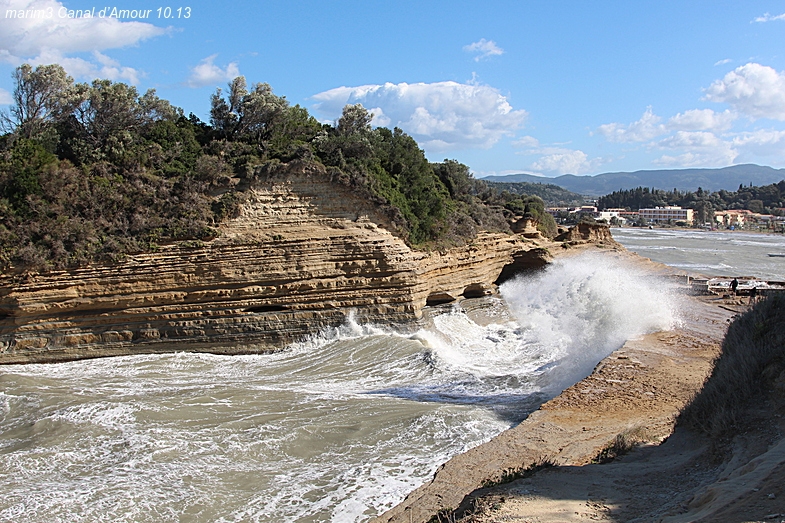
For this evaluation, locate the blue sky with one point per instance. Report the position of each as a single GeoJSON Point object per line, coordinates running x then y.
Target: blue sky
{"type": "Point", "coordinates": [544, 87]}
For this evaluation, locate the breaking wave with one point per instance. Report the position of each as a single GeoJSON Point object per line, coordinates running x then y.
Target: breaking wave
{"type": "Point", "coordinates": [580, 309]}
{"type": "Point", "coordinates": [339, 427]}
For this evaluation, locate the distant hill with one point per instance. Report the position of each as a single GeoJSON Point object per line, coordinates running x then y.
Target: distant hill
{"type": "Point", "coordinates": [728, 178]}
{"type": "Point", "coordinates": [552, 195]}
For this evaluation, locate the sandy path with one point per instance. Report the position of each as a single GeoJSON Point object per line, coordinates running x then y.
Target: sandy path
{"type": "Point", "coordinates": [675, 482]}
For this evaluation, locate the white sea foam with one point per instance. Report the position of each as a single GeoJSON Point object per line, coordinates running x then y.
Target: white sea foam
{"type": "Point", "coordinates": [580, 309]}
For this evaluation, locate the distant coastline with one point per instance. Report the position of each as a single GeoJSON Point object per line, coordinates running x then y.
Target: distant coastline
{"type": "Point", "coordinates": [727, 178]}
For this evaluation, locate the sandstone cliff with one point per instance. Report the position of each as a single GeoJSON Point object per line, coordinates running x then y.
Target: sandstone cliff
{"type": "Point", "coordinates": [585, 232]}
{"type": "Point", "coordinates": [303, 255]}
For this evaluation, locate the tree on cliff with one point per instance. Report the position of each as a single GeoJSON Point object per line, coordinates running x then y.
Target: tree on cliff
{"type": "Point", "coordinates": [262, 119]}
{"type": "Point", "coordinates": [96, 171]}
{"type": "Point", "coordinates": [41, 96]}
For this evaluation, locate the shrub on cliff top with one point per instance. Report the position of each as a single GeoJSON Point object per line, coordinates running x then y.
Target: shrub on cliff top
{"type": "Point", "coordinates": [95, 171]}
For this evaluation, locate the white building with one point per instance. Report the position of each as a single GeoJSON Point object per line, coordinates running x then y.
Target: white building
{"type": "Point", "coordinates": [667, 214]}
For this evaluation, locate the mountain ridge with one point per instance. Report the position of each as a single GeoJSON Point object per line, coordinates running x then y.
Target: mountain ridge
{"type": "Point", "coordinates": [710, 179]}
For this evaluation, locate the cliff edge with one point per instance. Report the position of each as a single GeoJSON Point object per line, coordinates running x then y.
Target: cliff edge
{"type": "Point", "coordinates": [304, 253]}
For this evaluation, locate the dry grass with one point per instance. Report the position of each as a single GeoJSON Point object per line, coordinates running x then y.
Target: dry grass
{"type": "Point", "coordinates": [512, 474]}
{"type": "Point", "coordinates": [747, 372]}
{"type": "Point", "coordinates": [622, 444]}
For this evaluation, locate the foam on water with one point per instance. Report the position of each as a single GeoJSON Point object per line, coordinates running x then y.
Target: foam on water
{"type": "Point", "coordinates": [580, 309]}
{"type": "Point", "coordinates": [709, 253]}
{"type": "Point", "coordinates": [337, 428]}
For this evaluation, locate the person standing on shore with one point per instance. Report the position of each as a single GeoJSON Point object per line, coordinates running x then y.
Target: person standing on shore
{"type": "Point", "coordinates": [734, 285]}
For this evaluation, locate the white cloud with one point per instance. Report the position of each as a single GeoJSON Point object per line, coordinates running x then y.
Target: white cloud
{"type": "Point", "coordinates": [379, 118]}
{"type": "Point", "coordinates": [702, 120]}
{"type": "Point", "coordinates": [52, 37]}
{"type": "Point", "coordinates": [645, 129]}
{"type": "Point", "coordinates": [484, 49]}
{"type": "Point", "coordinates": [754, 90]}
{"type": "Point", "coordinates": [207, 73]}
{"type": "Point", "coordinates": [563, 162]}
{"type": "Point", "coordinates": [702, 148]}
{"type": "Point", "coordinates": [707, 138]}
{"type": "Point", "coordinates": [723, 62]}
{"type": "Point", "coordinates": [440, 116]}
{"type": "Point", "coordinates": [527, 142]}
{"type": "Point", "coordinates": [29, 36]}
{"type": "Point", "coordinates": [688, 160]}
{"type": "Point", "coordinates": [5, 97]}
{"type": "Point", "coordinates": [555, 159]}
{"type": "Point", "coordinates": [691, 139]}
{"type": "Point", "coordinates": [769, 18]}
{"type": "Point", "coordinates": [102, 66]}
{"type": "Point", "coordinates": [763, 143]}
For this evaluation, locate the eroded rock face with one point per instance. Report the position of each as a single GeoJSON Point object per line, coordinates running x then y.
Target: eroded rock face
{"type": "Point", "coordinates": [303, 255]}
{"type": "Point", "coordinates": [588, 232]}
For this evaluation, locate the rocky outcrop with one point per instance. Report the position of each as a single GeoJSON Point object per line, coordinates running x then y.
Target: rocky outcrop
{"type": "Point", "coordinates": [588, 232]}
{"type": "Point", "coordinates": [304, 254]}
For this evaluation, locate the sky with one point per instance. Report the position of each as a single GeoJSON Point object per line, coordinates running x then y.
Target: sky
{"type": "Point", "coordinates": [545, 87]}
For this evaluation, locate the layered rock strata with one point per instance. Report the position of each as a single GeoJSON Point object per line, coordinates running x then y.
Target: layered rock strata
{"type": "Point", "coordinates": [304, 254]}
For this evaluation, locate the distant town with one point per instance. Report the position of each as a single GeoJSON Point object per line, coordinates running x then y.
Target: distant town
{"type": "Point", "coordinates": [736, 219]}
{"type": "Point", "coordinates": [746, 207]}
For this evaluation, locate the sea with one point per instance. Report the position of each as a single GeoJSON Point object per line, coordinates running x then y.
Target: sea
{"type": "Point", "coordinates": [709, 253]}
{"type": "Point", "coordinates": [339, 427]}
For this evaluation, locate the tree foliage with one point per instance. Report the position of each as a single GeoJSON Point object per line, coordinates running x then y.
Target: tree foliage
{"type": "Point", "coordinates": [552, 195]}
{"type": "Point", "coordinates": [97, 171]}
{"type": "Point", "coordinates": [768, 199]}
{"type": "Point", "coordinates": [40, 96]}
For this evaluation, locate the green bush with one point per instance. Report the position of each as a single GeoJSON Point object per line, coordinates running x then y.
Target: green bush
{"type": "Point", "coordinates": [100, 171]}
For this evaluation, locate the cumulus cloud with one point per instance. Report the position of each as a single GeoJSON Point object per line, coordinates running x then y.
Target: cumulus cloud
{"type": "Point", "coordinates": [707, 138]}
{"type": "Point", "coordinates": [555, 159]}
{"type": "Point", "coordinates": [101, 66]}
{"type": "Point", "coordinates": [440, 116]}
{"type": "Point", "coordinates": [527, 142]}
{"type": "Point", "coordinates": [207, 73]}
{"type": "Point", "coordinates": [707, 149]}
{"type": "Point", "coordinates": [483, 49]}
{"type": "Point", "coordinates": [563, 162]}
{"type": "Point", "coordinates": [702, 148]}
{"type": "Point", "coordinates": [769, 18]}
{"type": "Point", "coordinates": [643, 130]}
{"type": "Point", "coordinates": [755, 90]}
{"type": "Point", "coordinates": [689, 160]}
{"type": "Point", "coordinates": [692, 134]}
{"type": "Point", "coordinates": [702, 120]}
{"type": "Point", "coordinates": [691, 139]}
{"type": "Point", "coordinates": [52, 37]}
{"type": "Point", "coordinates": [763, 143]}
{"type": "Point", "coordinates": [29, 36]}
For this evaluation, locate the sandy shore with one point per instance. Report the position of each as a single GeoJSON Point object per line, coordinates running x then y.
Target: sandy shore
{"type": "Point", "coordinates": [637, 391]}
